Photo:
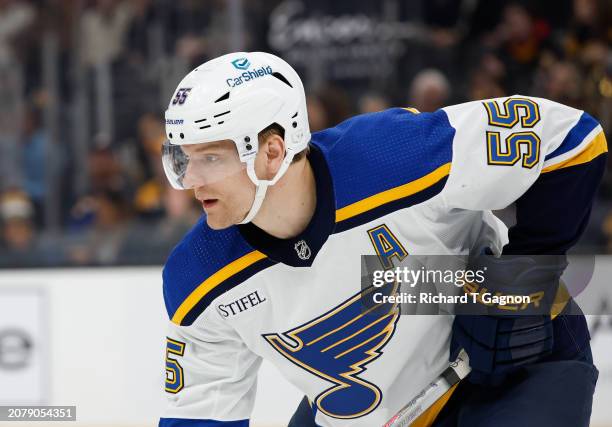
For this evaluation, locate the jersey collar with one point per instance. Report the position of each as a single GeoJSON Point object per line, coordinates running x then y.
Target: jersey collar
{"type": "Point", "coordinates": [301, 250]}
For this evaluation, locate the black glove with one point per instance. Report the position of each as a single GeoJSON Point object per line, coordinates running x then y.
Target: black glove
{"type": "Point", "coordinates": [500, 339]}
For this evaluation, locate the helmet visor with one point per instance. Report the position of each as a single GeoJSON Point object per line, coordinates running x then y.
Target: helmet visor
{"type": "Point", "coordinates": [195, 165]}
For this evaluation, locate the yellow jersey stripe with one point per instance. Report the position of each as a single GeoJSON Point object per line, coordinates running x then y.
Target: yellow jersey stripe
{"type": "Point", "coordinates": [209, 284]}
{"type": "Point", "coordinates": [412, 110]}
{"type": "Point", "coordinates": [596, 147]}
{"type": "Point", "coordinates": [393, 194]}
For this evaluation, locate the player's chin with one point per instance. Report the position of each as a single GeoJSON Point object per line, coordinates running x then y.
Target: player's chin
{"type": "Point", "coordinates": [219, 221]}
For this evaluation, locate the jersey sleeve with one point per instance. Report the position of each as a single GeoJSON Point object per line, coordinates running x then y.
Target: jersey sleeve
{"type": "Point", "coordinates": [211, 373]}
{"type": "Point", "coordinates": [545, 156]}
{"type": "Point", "coordinates": [211, 376]}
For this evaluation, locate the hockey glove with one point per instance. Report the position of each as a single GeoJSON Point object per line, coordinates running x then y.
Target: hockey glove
{"type": "Point", "coordinates": [499, 339]}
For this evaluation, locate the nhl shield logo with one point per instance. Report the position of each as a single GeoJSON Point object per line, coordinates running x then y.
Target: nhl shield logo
{"type": "Point", "coordinates": [302, 250]}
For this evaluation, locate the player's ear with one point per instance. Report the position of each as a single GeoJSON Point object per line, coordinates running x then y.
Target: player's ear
{"type": "Point", "coordinates": [270, 157]}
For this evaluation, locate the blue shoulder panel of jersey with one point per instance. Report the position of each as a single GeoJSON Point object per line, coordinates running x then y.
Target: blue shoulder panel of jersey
{"type": "Point", "coordinates": [204, 265]}
{"type": "Point", "coordinates": [385, 161]}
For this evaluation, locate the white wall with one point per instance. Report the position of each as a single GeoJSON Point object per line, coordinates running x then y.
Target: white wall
{"type": "Point", "coordinates": [98, 343]}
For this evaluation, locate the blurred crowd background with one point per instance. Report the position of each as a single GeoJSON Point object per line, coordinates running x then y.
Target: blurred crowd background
{"type": "Point", "coordinates": [83, 87]}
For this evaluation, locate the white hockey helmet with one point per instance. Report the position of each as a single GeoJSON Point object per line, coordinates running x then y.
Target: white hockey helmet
{"type": "Point", "coordinates": [236, 96]}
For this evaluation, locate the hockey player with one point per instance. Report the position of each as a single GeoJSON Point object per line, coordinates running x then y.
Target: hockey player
{"type": "Point", "coordinates": [273, 269]}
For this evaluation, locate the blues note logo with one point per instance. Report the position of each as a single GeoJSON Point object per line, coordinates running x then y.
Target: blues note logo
{"type": "Point", "coordinates": [337, 346]}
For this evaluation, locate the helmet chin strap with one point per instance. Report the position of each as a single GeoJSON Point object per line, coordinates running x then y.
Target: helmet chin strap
{"type": "Point", "coordinates": [260, 194]}
{"type": "Point", "coordinates": [262, 185]}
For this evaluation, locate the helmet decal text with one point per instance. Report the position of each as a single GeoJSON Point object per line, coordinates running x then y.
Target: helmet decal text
{"type": "Point", "coordinates": [247, 76]}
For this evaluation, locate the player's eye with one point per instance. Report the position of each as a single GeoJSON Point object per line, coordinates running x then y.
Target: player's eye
{"type": "Point", "coordinates": [211, 158]}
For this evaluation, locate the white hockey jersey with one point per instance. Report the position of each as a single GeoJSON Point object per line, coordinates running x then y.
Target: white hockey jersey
{"type": "Point", "coordinates": [391, 183]}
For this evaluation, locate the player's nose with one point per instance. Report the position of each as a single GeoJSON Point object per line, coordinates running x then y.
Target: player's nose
{"type": "Point", "coordinates": [188, 182]}
{"type": "Point", "coordinates": [192, 179]}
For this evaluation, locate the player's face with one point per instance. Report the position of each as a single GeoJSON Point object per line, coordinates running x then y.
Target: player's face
{"type": "Point", "coordinates": [220, 182]}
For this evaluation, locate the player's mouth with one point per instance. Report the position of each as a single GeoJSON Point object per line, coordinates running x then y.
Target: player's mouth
{"type": "Point", "coordinates": [209, 203]}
